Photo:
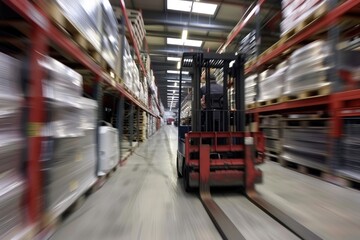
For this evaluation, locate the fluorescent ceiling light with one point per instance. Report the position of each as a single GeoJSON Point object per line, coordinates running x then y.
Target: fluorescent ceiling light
{"type": "Point", "coordinates": [187, 42]}
{"type": "Point", "coordinates": [178, 65]}
{"type": "Point", "coordinates": [204, 8]}
{"type": "Point", "coordinates": [176, 72]}
{"type": "Point", "coordinates": [179, 5]}
{"type": "Point", "coordinates": [174, 59]}
{"type": "Point", "coordinates": [197, 7]}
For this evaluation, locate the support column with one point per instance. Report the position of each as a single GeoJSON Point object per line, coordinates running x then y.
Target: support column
{"type": "Point", "coordinates": [131, 124]}
{"type": "Point", "coordinates": [36, 120]}
{"type": "Point", "coordinates": [120, 122]}
{"type": "Point", "coordinates": [98, 93]}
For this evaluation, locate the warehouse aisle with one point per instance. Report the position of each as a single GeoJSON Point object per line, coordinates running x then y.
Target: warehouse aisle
{"type": "Point", "coordinates": [145, 200]}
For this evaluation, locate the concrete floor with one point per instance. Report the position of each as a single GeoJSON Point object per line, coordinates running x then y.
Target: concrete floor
{"type": "Point", "coordinates": [145, 200]}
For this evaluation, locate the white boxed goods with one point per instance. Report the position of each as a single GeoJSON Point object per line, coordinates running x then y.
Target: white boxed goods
{"type": "Point", "coordinates": [96, 21]}
{"type": "Point", "coordinates": [294, 12]}
{"type": "Point", "coordinates": [12, 182]}
{"type": "Point", "coordinates": [272, 86]}
{"type": "Point", "coordinates": [67, 172]}
{"type": "Point", "coordinates": [250, 92]}
{"type": "Point", "coordinates": [308, 68]}
{"type": "Point", "coordinates": [109, 149]}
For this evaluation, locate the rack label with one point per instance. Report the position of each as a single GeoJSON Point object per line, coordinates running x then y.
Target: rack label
{"type": "Point", "coordinates": [34, 129]}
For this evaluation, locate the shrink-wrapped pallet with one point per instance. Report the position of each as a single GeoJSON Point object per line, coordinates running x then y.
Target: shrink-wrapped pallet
{"type": "Point", "coordinates": [12, 140]}
{"type": "Point", "coordinates": [96, 21]}
{"type": "Point", "coordinates": [109, 149]}
{"type": "Point", "coordinates": [272, 86]}
{"type": "Point", "coordinates": [250, 92]}
{"type": "Point", "coordinates": [296, 12]}
{"type": "Point", "coordinates": [308, 68]}
{"type": "Point", "coordinates": [67, 170]}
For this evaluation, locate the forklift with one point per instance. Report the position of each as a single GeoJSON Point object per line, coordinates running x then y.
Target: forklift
{"type": "Point", "coordinates": [213, 145]}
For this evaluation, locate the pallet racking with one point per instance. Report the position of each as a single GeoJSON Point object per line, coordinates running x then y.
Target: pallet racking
{"type": "Point", "coordinates": [337, 102]}
{"type": "Point", "coordinates": [42, 36]}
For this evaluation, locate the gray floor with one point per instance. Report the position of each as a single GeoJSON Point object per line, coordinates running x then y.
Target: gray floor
{"type": "Point", "coordinates": [145, 200]}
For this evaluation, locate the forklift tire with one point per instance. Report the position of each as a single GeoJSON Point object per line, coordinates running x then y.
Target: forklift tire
{"type": "Point", "coordinates": [179, 173]}
{"type": "Point", "coordinates": [186, 177]}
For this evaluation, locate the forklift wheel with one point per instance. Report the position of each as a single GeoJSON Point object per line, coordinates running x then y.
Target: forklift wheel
{"type": "Point", "coordinates": [186, 179]}
{"type": "Point", "coordinates": [179, 173]}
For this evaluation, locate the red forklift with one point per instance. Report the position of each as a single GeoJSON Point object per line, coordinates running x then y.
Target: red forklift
{"type": "Point", "coordinates": [214, 146]}
{"type": "Point", "coordinates": [213, 137]}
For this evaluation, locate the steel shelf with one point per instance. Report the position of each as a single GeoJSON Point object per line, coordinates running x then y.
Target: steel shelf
{"type": "Point", "coordinates": [330, 18]}
{"type": "Point", "coordinates": [38, 19]}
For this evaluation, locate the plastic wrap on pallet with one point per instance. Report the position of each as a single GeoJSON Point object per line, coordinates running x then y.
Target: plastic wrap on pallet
{"type": "Point", "coordinates": [12, 187]}
{"type": "Point", "coordinates": [308, 68]}
{"type": "Point", "coordinates": [97, 23]}
{"type": "Point", "coordinates": [11, 145]}
{"type": "Point", "coordinates": [250, 91]}
{"type": "Point", "coordinates": [85, 15]}
{"type": "Point", "coordinates": [88, 113]}
{"type": "Point", "coordinates": [109, 149]}
{"type": "Point", "coordinates": [10, 92]}
{"type": "Point", "coordinates": [110, 34]}
{"type": "Point", "coordinates": [294, 12]}
{"type": "Point", "coordinates": [62, 87]}
{"type": "Point", "coordinates": [306, 145]}
{"type": "Point", "coordinates": [351, 145]}
{"type": "Point", "coordinates": [272, 86]}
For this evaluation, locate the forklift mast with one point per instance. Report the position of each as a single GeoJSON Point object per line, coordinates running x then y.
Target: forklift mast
{"type": "Point", "coordinates": [231, 65]}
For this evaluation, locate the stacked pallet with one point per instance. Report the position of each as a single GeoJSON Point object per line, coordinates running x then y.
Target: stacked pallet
{"type": "Point", "coordinates": [138, 26]}
{"type": "Point", "coordinates": [250, 91]}
{"type": "Point", "coordinates": [297, 14]}
{"type": "Point", "coordinates": [271, 86]}
{"type": "Point", "coordinates": [305, 141]}
{"type": "Point", "coordinates": [12, 145]}
{"type": "Point", "coordinates": [351, 146]}
{"type": "Point", "coordinates": [248, 46]}
{"type": "Point", "coordinates": [308, 71]}
{"type": "Point", "coordinates": [93, 26]}
{"type": "Point", "coordinates": [68, 173]}
{"type": "Point", "coordinates": [141, 128]}
{"type": "Point", "coordinates": [270, 125]}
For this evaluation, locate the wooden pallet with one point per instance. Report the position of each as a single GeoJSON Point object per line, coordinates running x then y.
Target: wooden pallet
{"type": "Point", "coordinates": [323, 91]}
{"type": "Point", "coordinates": [250, 105]}
{"type": "Point", "coordinates": [314, 16]}
{"type": "Point", "coordinates": [273, 156]}
{"type": "Point", "coordinates": [270, 102]}
{"type": "Point", "coordinates": [71, 30]}
{"type": "Point", "coordinates": [322, 174]}
{"type": "Point", "coordinates": [308, 122]}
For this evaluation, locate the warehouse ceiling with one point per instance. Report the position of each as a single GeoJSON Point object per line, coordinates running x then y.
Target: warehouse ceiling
{"type": "Point", "coordinates": [164, 24]}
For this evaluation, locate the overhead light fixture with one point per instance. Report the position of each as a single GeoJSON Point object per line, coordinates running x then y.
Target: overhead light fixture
{"type": "Point", "coordinates": [188, 6]}
{"type": "Point", "coordinates": [179, 5]}
{"type": "Point", "coordinates": [176, 72]}
{"type": "Point", "coordinates": [187, 42]}
{"type": "Point", "coordinates": [204, 8]}
{"type": "Point", "coordinates": [174, 59]}
{"type": "Point", "coordinates": [178, 65]}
